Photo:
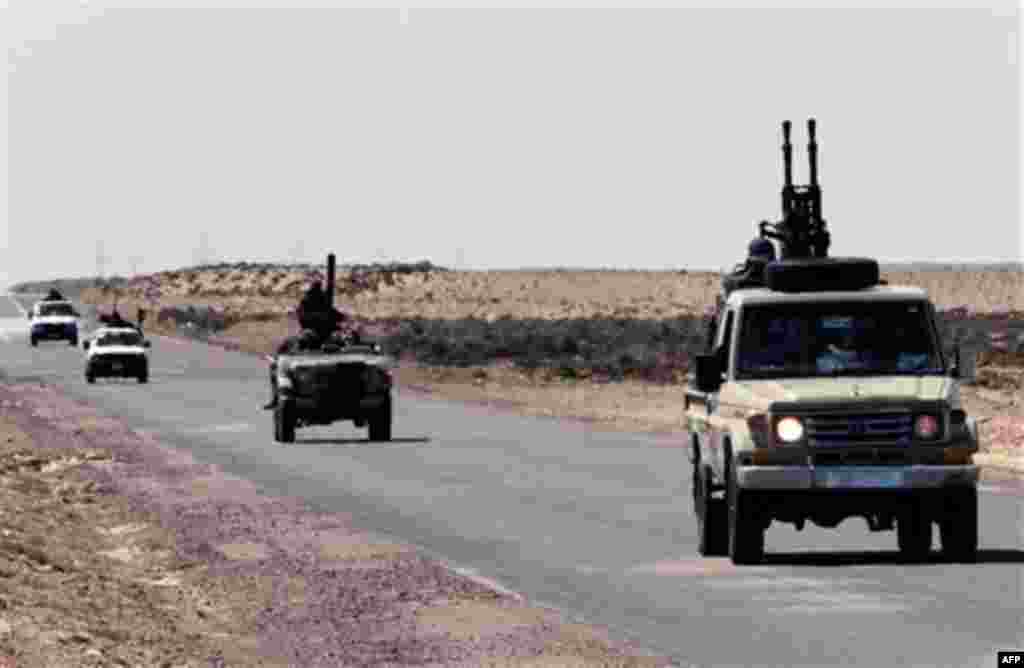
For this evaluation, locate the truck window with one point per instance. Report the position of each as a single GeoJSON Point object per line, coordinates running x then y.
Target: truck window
{"type": "Point", "coordinates": [829, 339]}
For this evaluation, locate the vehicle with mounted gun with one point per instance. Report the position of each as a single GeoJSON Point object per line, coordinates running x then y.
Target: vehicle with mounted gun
{"type": "Point", "coordinates": [827, 395]}
{"type": "Point", "coordinates": [326, 376]}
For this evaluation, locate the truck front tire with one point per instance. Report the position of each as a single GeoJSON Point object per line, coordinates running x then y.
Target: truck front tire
{"type": "Point", "coordinates": [284, 422]}
{"type": "Point", "coordinates": [746, 530]}
{"type": "Point", "coordinates": [712, 517]}
{"type": "Point", "coordinates": [380, 423]}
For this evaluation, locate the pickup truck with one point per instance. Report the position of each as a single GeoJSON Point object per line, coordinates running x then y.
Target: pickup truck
{"type": "Point", "coordinates": [820, 405]}
{"type": "Point", "coordinates": [53, 320]}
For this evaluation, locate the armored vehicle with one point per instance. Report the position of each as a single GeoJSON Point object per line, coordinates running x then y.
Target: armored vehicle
{"type": "Point", "coordinates": [826, 394]}
{"type": "Point", "coordinates": [333, 382]}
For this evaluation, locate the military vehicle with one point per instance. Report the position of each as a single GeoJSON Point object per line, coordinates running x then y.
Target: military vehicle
{"type": "Point", "coordinates": [116, 352]}
{"type": "Point", "coordinates": [333, 383]}
{"type": "Point", "coordinates": [53, 320]}
{"type": "Point", "coordinates": [826, 394]}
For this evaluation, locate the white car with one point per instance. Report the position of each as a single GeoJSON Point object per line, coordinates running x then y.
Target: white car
{"type": "Point", "coordinates": [118, 352]}
{"type": "Point", "coordinates": [53, 320]}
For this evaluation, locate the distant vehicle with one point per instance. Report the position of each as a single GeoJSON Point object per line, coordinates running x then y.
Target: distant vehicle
{"type": "Point", "coordinates": [118, 352]}
{"type": "Point", "coordinates": [53, 321]}
{"type": "Point", "coordinates": [334, 382]}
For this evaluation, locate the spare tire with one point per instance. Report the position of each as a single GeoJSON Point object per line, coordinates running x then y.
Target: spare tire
{"type": "Point", "coordinates": [821, 274]}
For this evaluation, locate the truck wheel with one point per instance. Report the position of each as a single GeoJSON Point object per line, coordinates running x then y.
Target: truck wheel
{"type": "Point", "coordinates": [958, 529]}
{"type": "Point", "coordinates": [34, 341]}
{"type": "Point", "coordinates": [144, 376]}
{"type": "Point", "coordinates": [712, 518]}
{"type": "Point", "coordinates": [914, 531]}
{"type": "Point", "coordinates": [746, 533]}
{"type": "Point", "coordinates": [89, 378]}
{"type": "Point", "coordinates": [380, 423]}
{"type": "Point", "coordinates": [284, 422]}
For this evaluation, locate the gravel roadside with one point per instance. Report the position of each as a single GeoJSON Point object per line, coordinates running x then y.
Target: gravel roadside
{"type": "Point", "coordinates": [118, 551]}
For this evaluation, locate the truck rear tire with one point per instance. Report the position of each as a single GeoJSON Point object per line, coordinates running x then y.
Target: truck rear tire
{"type": "Point", "coordinates": [380, 423]}
{"type": "Point", "coordinates": [914, 531]}
{"type": "Point", "coordinates": [958, 528]}
{"type": "Point", "coordinates": [712, 517]}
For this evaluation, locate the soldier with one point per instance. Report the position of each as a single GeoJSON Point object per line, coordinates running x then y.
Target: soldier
{"type": "Point", "coordinates": [316, 313]}
{"type": "Point", "coordinates": [321, 323]}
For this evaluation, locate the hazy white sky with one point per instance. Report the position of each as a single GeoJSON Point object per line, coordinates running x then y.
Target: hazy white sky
{"type": "Point", "coordinates": [531, 137]}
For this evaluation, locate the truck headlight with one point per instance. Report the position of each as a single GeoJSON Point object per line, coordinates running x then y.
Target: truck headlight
{"type": "Point", "coordinates": [789, 429]}
{"type": "Point", "coordinates": [926, 427]}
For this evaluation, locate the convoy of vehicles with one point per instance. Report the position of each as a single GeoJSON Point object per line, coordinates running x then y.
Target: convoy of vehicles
{"type": "Point", "coordinates": [825, 394]}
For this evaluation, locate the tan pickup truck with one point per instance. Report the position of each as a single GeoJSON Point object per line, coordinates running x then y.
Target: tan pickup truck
{"type": "Point", "coordinates": [824, 405]}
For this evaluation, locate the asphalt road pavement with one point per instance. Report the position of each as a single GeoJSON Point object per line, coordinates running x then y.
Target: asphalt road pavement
{"type": "Point", "coordinates": [597, 523]}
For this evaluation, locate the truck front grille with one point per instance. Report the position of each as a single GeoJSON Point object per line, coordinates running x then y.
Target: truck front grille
{"type": "Point", "coordinates": [339, 379]}
{"type": "Point", "coordinates": [862, 457]}
{"type": "Point", "coordinates": [825, 431]}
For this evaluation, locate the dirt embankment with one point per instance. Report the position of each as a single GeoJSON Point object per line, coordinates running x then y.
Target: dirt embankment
{"type": "Point", "coordinates": [115, 551]}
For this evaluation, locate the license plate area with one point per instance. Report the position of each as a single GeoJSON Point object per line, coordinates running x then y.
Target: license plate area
{"type": "Point", "coordinates": [860, 478]}
{"type": "Point", "coordinates": [117, 366]}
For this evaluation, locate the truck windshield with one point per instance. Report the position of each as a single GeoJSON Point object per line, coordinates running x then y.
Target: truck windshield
{"type": "Point", "coordinates": [56, 309]}
{"type": "Point", "coordinates": [836, 339]}
{"type": "Point", "coordinates": [119, 339]}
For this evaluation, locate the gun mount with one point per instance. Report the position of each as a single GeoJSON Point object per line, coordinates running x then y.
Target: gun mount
{"type": "Point", "coordinates": [802, 231]}
{"type": "Point", "coordinates": [803, 263]}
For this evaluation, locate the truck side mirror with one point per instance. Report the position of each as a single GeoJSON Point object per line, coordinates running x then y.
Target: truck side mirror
{"type": "Point", "coordinates": [962, 369]}
{"type": "Point", "coordinates": [954, 369]}
{"type": "Point", "coordinates": [709, 373]}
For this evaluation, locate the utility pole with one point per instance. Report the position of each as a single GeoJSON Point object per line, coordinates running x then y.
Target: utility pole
{"type": "Point", "coordinates": [101, 260]}
{"type": "Point", "coordinates": [202, 252]}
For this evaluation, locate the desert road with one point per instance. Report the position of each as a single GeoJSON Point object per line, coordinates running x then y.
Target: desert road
{"type": "Point", "coordinates": [598, 524]}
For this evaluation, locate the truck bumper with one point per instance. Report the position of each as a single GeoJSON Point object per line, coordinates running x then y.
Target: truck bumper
{"type": "Point", "coordinates": [854, 477]}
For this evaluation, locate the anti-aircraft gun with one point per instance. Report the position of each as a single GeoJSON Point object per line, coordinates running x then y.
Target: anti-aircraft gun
{"type": "Point", "coordinates": [802, 263]}
{"type": "Point", "coordinates": [802, 231]}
